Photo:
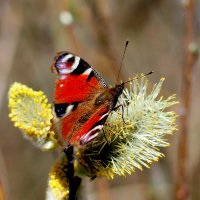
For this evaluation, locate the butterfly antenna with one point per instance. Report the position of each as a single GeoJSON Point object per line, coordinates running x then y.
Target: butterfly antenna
{"type": "Point", "coordinates": [141, 76]}
{"type": "Point", "coordinates": [122, 60]}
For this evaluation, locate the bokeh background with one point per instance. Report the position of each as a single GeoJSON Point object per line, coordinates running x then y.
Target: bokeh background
{"type": "Point", "coordinates": [31, 32]}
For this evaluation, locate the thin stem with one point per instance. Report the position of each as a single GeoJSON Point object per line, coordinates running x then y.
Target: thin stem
{"type": "Point", "coordinates": [190, 59]}
{"type": "Point", "coordinates": [74, 181]}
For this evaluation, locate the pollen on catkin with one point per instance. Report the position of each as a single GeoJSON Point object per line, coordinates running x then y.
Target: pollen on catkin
{"type": "Point", "coordinates": [31, 112]}
{"type": "Point", "coordinates": [134, 142]}
{"type": "Point", "coordinates": [58, 186]}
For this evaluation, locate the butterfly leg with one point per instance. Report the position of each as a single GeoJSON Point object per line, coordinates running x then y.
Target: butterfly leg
{"type": "Point", "coordinates": [105, 135]}
{"type": "Point", "coordinates": [115, 108]}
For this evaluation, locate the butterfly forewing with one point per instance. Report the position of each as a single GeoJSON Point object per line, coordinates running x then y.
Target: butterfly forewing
{"type": "Point", "coordinates": [77, 117]}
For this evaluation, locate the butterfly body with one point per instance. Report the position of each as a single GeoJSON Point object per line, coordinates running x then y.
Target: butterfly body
{"type": "Point", "coordinates": [82, 99]}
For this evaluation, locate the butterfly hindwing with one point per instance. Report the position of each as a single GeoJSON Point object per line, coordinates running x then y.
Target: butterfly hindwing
{"type": "Point", "coordinates": [90, 129]}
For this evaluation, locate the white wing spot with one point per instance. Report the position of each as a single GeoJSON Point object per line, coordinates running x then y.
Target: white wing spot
{"type": "Point", "coordinates": [88, 71]}
{"type": "Point", "coordinates": [76, 63]}
{"type": "Point", "coordinates": [69, 109]}
{"type": "Point", "coordinates": [88, 136]}
{"type": "Point", "coordinates": [105, 115]}
{"type": "Point", "coordinates": [67, 57]}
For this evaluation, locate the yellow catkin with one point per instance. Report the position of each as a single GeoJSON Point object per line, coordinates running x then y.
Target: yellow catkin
{"type": "Point", "coordinates": [58, 180]}
{"type": "Point", "coordinates": [123, 147]}
{"type": "Point", "coordinates": [31, 112]}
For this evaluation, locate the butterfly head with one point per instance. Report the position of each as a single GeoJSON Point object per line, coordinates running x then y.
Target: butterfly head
{"type": "Point", "coordinates": [119, 88]}
{"type": "Point", "coordinates": [115, 93]}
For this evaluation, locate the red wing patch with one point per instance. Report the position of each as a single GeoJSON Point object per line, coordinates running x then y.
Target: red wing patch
{"type": "Point", "coordinates": [75, 88]}
{"type": "Point", "coordinates": [76, 80]}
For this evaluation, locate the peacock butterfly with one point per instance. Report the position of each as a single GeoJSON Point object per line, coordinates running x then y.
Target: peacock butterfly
{"type": "Point", "coordinates": [82, 99]}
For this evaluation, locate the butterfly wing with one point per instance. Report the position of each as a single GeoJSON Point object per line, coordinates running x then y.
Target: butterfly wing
{"type": "Point", "coordinates": [78, 85]}
{"type": "Point", "coordinates": [77, 79]}
{"type": "Point", "coordinates": [87, 122]}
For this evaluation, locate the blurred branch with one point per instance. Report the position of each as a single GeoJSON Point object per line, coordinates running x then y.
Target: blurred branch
{"type": "Point", "coordinates": [2, 191]}
{"type": "Point", "coordinates": [196, 181]}
{"type": "Point", "coordinates": [139, 13]}
{"type": "Point", "coordinates": [190, 57]}
{"type": "Point", "coordinates": [10, 27]}
{"type": "Point", "coordinates": [63, 6]}
{"type": "Point", "coordinates": [3, 181]}
{"type": "Point", "coordinates": [103, 189]}
{"type": "Point", "coordinates": [101, 25]}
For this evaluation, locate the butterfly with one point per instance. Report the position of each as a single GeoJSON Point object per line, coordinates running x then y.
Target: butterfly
{"type": "Point", "coordinates": [82, 99]}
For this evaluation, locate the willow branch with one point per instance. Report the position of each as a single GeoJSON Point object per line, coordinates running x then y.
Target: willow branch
{"type": "Point", "coordinates": [190, 59]}
{"type": "Point", "coordinates": [74, 181]}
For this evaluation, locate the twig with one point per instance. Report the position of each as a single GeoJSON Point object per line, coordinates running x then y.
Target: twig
{"type": "Point", "coordinates": [74, 181]}
{"type": "Point", "coordinates": [103, 189]}
{"type": "Point", "coordinates": [70, 30]}
{"type": "Point", "coordinates": [10, 27]}
{"type": "Point", "coordinates": [190, 59]}
{"type": "Point", "coordinates": [3, 180]}
{"type": "Point", "coordinates": [195, 181]}
{"type": "Point", "coordinates": [102, 28]}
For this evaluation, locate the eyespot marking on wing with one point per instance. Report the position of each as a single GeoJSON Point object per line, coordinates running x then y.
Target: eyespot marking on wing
{"type": "Point", "coordinates": [65, 63]}
{"type": "Point", "coordinates": [64, 109]}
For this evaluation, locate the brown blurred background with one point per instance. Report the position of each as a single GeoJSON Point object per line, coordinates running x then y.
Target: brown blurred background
{"type": "Point", "coordinates": [31, 32]}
